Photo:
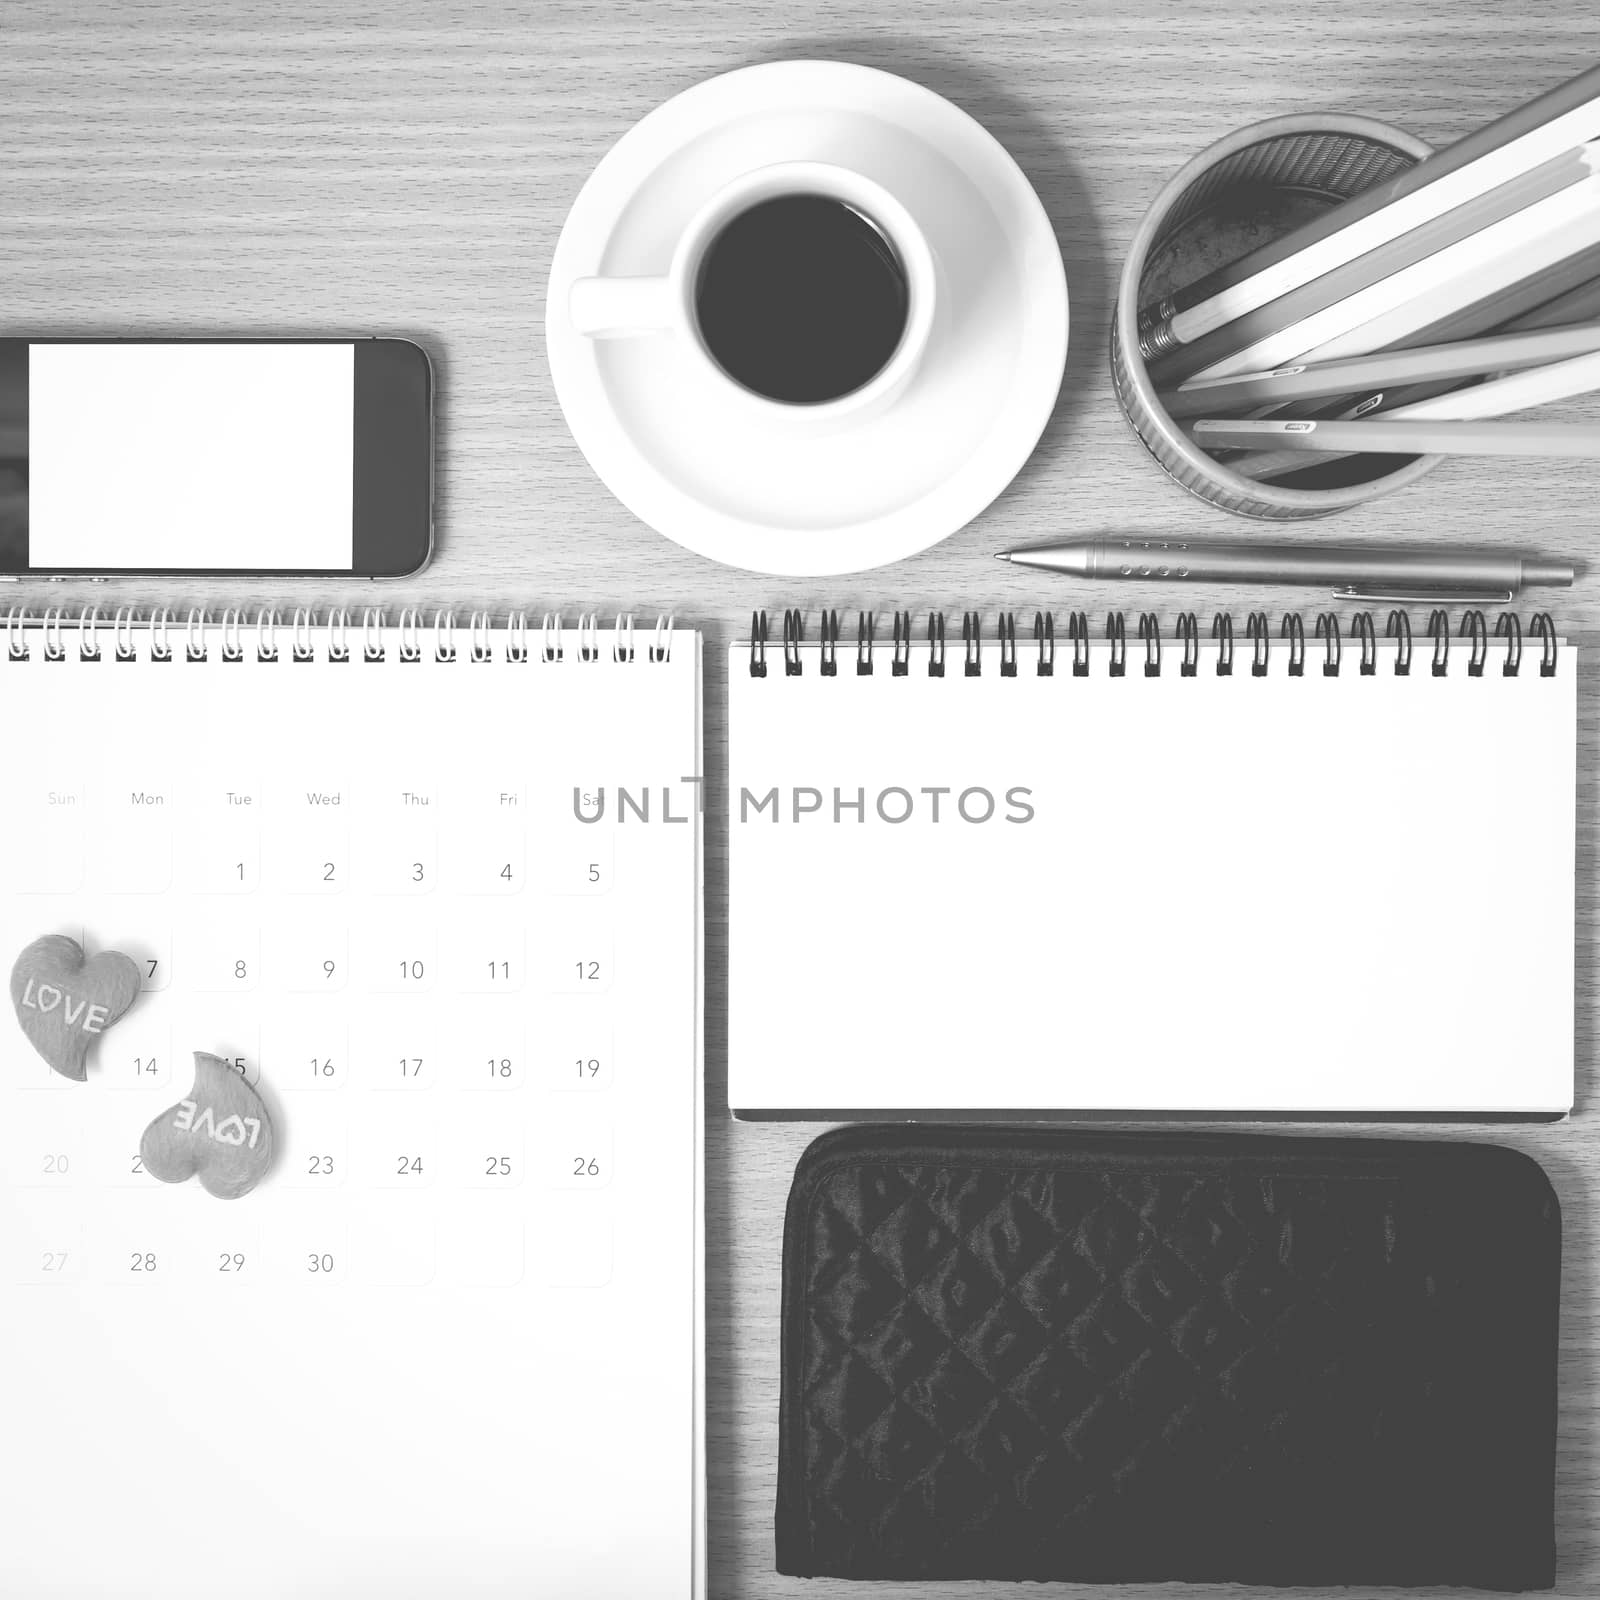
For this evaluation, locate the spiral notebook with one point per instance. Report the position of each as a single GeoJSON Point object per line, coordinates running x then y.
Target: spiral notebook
{"type": "Point", "coordinates": [1278, 869]}
{"type": "Point", "coordinates": [451, 1344]}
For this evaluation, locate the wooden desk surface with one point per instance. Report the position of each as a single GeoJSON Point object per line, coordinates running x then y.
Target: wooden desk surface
{"type": "Point", "coordinates": [327, 168]}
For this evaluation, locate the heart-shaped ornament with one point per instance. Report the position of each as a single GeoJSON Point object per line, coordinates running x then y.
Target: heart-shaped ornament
{"type": "Point", "coordinates": [65, 1002]}
{"type": "Point", "coordinates": [222, 1132]}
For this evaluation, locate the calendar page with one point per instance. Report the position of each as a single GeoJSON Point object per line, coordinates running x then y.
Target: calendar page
{"type": "Point", "coordinates": [437, 898]}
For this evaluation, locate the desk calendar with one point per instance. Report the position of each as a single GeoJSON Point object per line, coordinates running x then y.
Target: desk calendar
{"type": "Point", "coordinates": [436, 893]}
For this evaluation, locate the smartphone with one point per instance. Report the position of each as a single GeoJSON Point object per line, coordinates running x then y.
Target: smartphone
{"type": "Point", "coordinates": [289, 457]}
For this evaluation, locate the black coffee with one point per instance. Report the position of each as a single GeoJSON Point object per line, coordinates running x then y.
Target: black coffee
{"type": "Point", "coordinates": [801, 299]}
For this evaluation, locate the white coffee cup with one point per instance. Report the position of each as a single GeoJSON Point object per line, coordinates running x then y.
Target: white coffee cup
{"type": "Point", "coordinates": [621, 308]}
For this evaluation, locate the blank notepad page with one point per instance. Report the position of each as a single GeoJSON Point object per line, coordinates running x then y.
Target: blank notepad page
{"type": "Point", "coordinates": [448, 1346]}
{"type": "Point", "coordinates": [1299, 893]}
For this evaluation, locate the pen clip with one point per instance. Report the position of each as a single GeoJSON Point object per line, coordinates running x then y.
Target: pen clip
{"type": "Point", "coordinates": [1430, 597]}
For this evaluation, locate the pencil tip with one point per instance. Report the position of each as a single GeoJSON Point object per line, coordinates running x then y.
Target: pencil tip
{"type": "Point", "coordinates": [1002, 555]}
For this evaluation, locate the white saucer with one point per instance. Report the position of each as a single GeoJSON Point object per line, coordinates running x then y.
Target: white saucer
{"type": "Point", "coordinates": [681, 455]}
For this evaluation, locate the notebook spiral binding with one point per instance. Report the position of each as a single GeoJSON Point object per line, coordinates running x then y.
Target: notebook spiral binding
{"type": "Point", "coordinates": [1259, 651]}
{"type": "Point", "coordinates": [233, 633]}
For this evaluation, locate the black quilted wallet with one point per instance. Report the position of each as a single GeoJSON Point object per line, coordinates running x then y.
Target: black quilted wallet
{"type": "Point", "coordinates": [1107, 1357]}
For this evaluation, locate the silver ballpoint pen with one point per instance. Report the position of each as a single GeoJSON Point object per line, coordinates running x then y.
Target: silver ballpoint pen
{"type": "Point", "coordinates": [1354, 572]}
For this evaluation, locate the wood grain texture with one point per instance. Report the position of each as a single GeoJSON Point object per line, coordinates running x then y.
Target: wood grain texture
{"type": "Point", "coordinates": [405, 169]}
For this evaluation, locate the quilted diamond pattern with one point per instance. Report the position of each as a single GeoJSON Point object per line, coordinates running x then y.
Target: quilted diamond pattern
{"type": "Point", "coordinates": [1102, 1357]}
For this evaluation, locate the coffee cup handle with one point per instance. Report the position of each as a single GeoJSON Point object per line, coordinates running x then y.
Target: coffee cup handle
{"type": "Point", "coordinates": [620, 308]}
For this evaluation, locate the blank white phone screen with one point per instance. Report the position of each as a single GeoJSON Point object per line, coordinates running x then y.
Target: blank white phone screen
{"type": "Point", "coordinates": [175, 456]}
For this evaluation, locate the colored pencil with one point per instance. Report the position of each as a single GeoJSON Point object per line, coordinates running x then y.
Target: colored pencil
{"type": "Point", "coordinates": [1471, 270]}
{"type": "Point", "coordinates": [1518, 391]}
{"type": "Point", "coordinates": [1422, 364]}
{"type": "Point", "coordinates": [1374, 266]}
{"type": "Point", "coordinates": [1513, 144]}
{"type": "Point", "coordinates": [1566, 294]}
{"type": "Point", "coordinates": [1378, 437]}
{"type": "Point", "coordinates": [1580, 303]}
